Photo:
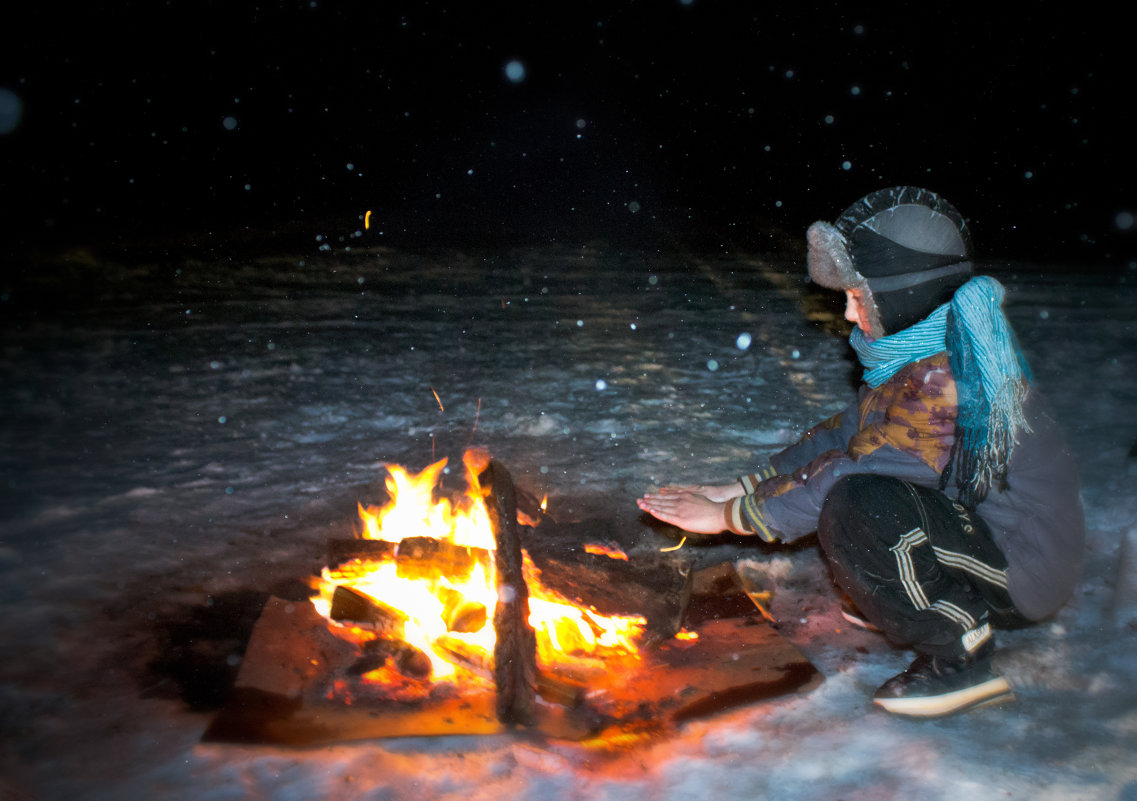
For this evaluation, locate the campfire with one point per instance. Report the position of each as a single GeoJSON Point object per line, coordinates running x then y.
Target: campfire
{"type": "Point", "coordinates": [476, 612]}
{"type": "Point", "coordinates": [424, 603]}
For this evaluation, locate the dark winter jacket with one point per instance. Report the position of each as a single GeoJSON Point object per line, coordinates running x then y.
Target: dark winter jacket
{"type": "Point", "coordinates": [905, 428]}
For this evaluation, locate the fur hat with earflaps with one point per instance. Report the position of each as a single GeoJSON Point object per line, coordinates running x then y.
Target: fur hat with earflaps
{"type": "Point", "coordinates": [905, 248]}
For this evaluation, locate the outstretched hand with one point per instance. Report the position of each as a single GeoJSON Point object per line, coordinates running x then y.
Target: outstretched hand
{"type": "Point", "coordinates": [715, 492]}
{"type": "Point", "coordinates": [689, 510]}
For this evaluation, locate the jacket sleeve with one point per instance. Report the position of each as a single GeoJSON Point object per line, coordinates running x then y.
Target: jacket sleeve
{"type": "Point", "coordinates": [831, 434]}
{"type": "Point", "coordinates": [904, 428]}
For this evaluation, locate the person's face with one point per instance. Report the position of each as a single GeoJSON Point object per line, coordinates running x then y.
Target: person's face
{"type": "Point", "coordinates": [855, 310]}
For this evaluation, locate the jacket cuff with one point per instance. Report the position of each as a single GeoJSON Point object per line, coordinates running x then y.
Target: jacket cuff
{"type": "Point", "coordinates": [750, 482]}
{"type": "Point", "coordinates": [744, 516]}
{"type": "Point", "coordinates": [735, 522]}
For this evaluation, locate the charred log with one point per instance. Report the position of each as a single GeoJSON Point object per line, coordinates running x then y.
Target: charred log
{"type": "Point", "coordinates": [529, 511]}
{"type": "Point", "coordinates": [406, 658]}
{"type": "Point", "coordinates": [352, 606]}
{"type": "Point", "coordinates": [430, 558]}
{"type": "Point", "coordinates": [416, 557]}
{"type": "Point", "coordinates": [658, 587]}
{"type": "Point", "coordinates": [471, 657]}
{"type": "Point", "coordinates": [561, 690]}
{"type": "Point", "coordinates": [342, 550]}
{"type": "Point", "coordinates": [515, 651]}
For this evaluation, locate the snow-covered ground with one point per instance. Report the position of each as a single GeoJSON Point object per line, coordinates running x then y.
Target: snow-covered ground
{"type": "Point", "coordinates": [181, 434]}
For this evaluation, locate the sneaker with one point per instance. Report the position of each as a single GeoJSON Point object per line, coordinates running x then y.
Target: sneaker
{"type": "Point", "coordinates": [934, 686]}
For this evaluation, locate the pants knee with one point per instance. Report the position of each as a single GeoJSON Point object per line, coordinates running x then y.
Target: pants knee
{"type": "Point", "coordinates": [855, 506]}
{"type": "Point", "coordinates": [844, 498]}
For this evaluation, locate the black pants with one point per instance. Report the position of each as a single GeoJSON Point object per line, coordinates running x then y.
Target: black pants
{"type": "Point", "coordinates": [919, 566]}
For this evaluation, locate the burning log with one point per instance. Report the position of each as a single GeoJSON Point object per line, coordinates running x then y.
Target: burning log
{"type": "Point", "coordinates": [469, 656]}
{"type": "Point", "coordinates": [408, 660]}
{"type": "Point", "coordinates": [461, 614]}
{"type": "Point", "coordinates": [430, 558]}
{"type": "Point", "coordinates": [563, 690]}
{"type": "Point", "coordinates": [530, 511]}
{"type": "Point", "coordinates": [658, 587]}
{"type": "Point", "coordinates": [515, 651]}
{"type": "Point", "coordinates": [416, 557]}
{"type": "Point", "coordinates": [357, 607]}
{"type": "Point", "coordinates": [342, 550]}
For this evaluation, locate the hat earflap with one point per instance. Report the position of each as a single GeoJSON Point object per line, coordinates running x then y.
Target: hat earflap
{"type": "Point", "coordinates": [831, 266]}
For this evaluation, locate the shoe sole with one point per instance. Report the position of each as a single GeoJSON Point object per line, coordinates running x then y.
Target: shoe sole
{"type": "Point", "coordinates": [993, 691]}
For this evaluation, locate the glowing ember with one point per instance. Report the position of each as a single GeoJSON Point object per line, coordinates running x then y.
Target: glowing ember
{"type": "Point", "coordinates": [434, 593]}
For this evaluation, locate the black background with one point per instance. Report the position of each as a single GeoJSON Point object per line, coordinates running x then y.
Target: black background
{"type": "Point", "coordinates": [650, 122]}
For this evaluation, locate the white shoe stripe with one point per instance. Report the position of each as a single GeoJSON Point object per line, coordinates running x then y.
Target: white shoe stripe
{"type": "Point", "coordinates": [931, 706]}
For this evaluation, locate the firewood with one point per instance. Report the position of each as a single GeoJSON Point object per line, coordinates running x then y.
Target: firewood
{"type": "Point", "coordinates": [471, 657]}
{"type": "Point", "coordinates": [407, 659]}
{"type": "Point", "coordinates": [529, 511]}
{"type": "Point", "coordinates": [460, 614]}
{"type": "Point", "coordinates": [515, 650]}
{"type": "Point", "coordinates": [412, 662]}
{"type": "Point", "coordinates": [561, 690]}
{"type": "Point", "coordinates": [430, 558]}
{"type": "Point", "coordinates": [658, 587]}
{"type": "Point", "coordinates": [357, 607]}
{"type": "Point", "coordinates": [466, 617]}
{"type": "Point", "coordinates": [345, 549]}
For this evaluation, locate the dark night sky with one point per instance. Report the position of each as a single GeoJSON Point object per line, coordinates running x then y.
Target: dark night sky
{"type": "Point", "coordinates": [149, 120]}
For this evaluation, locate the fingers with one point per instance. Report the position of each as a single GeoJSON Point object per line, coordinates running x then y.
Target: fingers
{"type": "Point", "coordinates": [664, 501]}
{"type": "Point", "coordinates": [689, 511]}
{"type": "Point", "coordinates": [715, 492]}
{"type": "Point", "coordinates": [667, 512]}
{"type": "Point", "coordinates": [674, 490]}
{"type": "Point", "coordinates": [666, 508]}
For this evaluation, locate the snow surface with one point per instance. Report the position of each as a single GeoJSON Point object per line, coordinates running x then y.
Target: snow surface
{"type": "Point", "coordinates": [181, 434]}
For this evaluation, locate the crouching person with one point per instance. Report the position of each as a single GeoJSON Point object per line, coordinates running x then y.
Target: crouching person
{"type": "Point", "coordinates": [944, 496]}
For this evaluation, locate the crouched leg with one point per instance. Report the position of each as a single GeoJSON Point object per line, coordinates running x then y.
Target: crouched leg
{"type": "Point", "coordinates": [925, 572]}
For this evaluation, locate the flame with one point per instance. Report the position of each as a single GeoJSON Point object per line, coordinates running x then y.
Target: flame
{"type": "Point", "coordinates": [610, 551]}
{"type": "Point", "coordinates": [412, 511]}
{"type": "Point", "coordinates": [445, 609]}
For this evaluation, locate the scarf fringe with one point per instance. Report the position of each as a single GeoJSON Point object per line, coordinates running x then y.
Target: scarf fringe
{"type": "Point", "coordinates": [981, 455]}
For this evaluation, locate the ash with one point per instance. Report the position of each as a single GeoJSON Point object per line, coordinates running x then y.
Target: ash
{"type": "Point", "coordinates": [182, 434]}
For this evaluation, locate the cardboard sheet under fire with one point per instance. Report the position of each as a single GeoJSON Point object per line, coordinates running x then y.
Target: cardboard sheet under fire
{"type": "Point", "coordinates": [297, 685]}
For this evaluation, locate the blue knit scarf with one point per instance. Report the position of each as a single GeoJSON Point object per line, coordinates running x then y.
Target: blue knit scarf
{"type": "Point", "coordinates": [991, 376]}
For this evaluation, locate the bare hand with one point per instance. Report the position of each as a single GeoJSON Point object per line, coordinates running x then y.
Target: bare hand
{"type": "Point", "coordinates": [714, 492]}
{"type": "Point", "coordinates": [690, 511]}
